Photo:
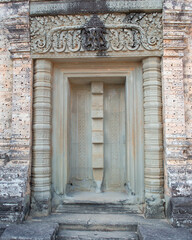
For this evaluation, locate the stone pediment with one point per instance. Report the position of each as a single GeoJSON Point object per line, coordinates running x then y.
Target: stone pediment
{"type": "Point", "coordinates": [132, 34]}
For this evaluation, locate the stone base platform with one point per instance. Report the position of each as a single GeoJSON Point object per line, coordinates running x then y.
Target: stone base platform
{"type": "Point", "coordinates": [94, 226]}
{"type": "Point", "coordinates": [100, 203]}
{"type": "Point", "coordinates": [31, 231]}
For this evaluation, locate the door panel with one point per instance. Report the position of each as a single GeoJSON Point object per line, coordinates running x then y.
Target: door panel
{"type": "Point", "coordinates": [114, 138]}
{"type": "Point", "coordinates": [80, 164]}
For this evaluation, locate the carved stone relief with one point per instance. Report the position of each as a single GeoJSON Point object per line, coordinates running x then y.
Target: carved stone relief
{"type": "Point", "coordinates": [103, 32]}
{"type": "Point", "coordinates": [93, 35]}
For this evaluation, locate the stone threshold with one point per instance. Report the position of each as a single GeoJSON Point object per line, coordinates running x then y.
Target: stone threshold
{"type": "Point", "coordinates": [93, 197]}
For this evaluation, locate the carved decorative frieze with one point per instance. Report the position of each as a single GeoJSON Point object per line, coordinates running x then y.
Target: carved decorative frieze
{"type": "Point", "coordinates": [103, 32]}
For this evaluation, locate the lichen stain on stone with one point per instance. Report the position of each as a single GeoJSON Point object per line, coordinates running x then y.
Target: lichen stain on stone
{"type": "Point", "coordinates": [93, 36]}
{"type": "Point", "coordinates": [5, 158]}
{"type": "Point", "coordinates": [90, 6]}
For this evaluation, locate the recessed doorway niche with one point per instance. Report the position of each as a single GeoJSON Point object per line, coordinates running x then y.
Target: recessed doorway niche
{"type": "Point", "coordinates": [97, 132]}
{"type": "Point", "coordinates": [97, 157]}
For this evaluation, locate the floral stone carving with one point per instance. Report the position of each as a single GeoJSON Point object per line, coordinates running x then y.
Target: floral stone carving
{"type": "Point", "coordinates": [102, 32]}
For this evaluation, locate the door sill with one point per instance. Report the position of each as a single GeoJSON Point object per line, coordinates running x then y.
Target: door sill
{"type": "Point", "coordinates": [98, 198]}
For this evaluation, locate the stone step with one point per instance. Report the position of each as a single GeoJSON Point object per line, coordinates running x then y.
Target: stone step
{"type": "Point", "coordinates": [94, 222]}
{"type": "Point", "coordinates": [31, 231]}
{"type": "Point", "coordinates": [162, 232]}
{"type": "Point", "coordinates": [96, 235]}
{"type": "Point", "coordinates": [100, 227]}
{"type": "Point", "coordinates": [92, 208]}
{"type": "Point", "coordinates": [92, 203]}
{"type": "Point", "coordinates": [10, 209]}
{"type": "Point", "coordinates": [94, 226]}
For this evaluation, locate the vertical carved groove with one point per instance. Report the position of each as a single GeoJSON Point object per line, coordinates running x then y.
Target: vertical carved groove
{"type": "Point", "coordinates": [153, 130]}
{"type": "Point", "coordinates": [41, 169]}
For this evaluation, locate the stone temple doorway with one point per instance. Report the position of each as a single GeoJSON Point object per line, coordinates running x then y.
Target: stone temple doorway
{"type": "Point", "coordinates": [68, 49]}
{"type": "Point", "coordinates": [97, 132]}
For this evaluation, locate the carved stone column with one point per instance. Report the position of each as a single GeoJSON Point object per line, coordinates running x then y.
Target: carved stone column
{"type": "Point", "coordinates": [41, 165]}
{"type": "Point", "coordinates": [153, 138]}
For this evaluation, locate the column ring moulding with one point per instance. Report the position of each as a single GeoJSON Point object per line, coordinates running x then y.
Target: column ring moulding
{"type": "Point", "coordinates": [132, 40]}
{"type": "Point", "coordinates": [41, 165]}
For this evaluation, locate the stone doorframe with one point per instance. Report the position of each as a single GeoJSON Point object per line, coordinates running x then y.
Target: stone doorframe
{"type": "Point", "coordinates": [101, 35]}
{"type": "Point", "coordinates": [107, 71]}
{"type": "Point", "coordinates": [153, 148]}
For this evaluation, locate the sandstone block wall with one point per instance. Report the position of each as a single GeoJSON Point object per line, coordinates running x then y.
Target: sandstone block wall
{"type": "Point", "coordinates": [15, 110]}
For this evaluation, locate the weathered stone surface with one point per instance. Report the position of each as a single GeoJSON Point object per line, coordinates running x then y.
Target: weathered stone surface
{"type": "Point", "coordinates": [92, 6]}
{"type": "Point", "coordinates": [31, 231]}
{"type": "Point", "coordinates": [97, 89]}
{"type": "Point", "coordinates": [41, 169]}
{"type": "Point", "coordinates": [176, 79]}
{"type": "Point", "coordinates": [181, 211]}
{"type": "Point", "coordinates": [16, 93]}
{"type": "Point", "coordinates": [153, 138]}
{"type": "Point", "coordinates": [13, 209]}
{"type": "Point", "coordinates": [96, 235]}
{"type": "Point", "coordinates": [15, 105]}
{"type": "Point", "coordinates": [3, 226]}
{"type": "Point", "coordinates": [105, 226]}
{"type": "Point", "coordinates": [151, 232]}
{"type": "Point", "coordinates": [96, 35]}
{"type": "Point", "coordinates": [154, 208]}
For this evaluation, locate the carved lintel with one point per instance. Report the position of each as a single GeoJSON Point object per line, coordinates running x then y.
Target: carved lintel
{"type": "Point", "coordinates": [103, 32]}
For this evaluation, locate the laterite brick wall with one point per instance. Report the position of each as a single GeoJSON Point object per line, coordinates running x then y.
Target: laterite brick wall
{"type": "Point", "coordinates": [177, 108]}
{"type": "Point", "coordinates": [15, 110]}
